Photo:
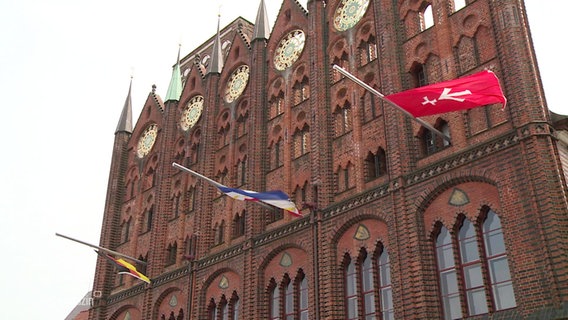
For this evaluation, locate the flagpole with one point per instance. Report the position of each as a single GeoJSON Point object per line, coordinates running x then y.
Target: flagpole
{"type": "Point", "coordinates": [213, 182]}
{"type": "Point", "coordinates": [102, 249]}
{"type": "Point", "coordinates": [382, 97]}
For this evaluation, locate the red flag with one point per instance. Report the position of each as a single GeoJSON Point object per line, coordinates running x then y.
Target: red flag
{"type": "Point", "coordinates": [472, 91]}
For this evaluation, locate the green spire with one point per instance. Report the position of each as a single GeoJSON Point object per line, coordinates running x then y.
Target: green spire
{"type": "Point", "coordinates": [175, 88]}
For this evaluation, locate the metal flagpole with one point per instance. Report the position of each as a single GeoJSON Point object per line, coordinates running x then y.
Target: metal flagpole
{"type": "Point", "coordinates": [102, 249]}
{"type": "Point", "coordinates": [382, 97]}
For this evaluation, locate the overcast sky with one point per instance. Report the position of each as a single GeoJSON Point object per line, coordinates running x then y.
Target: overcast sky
{"type": "Point", "coordinates": [65, 67]}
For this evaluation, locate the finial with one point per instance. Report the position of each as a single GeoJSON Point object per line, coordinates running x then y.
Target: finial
{"type": "Point", "coordinates": [153, 88]}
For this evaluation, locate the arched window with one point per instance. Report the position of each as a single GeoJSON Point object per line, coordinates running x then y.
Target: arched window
{"type": "Point", "coordinates": [171, 254]}
{"type": "Point", "coordinates": [433, 142]}
{"type": "Point", "coordinates": [448, 275]}
{"type": "Point", "coordinates": [385, 286]}
{"type": "Point", "coordinates": [367, 50]}
{"type": "Point", "coordinates": [303, 298]}
{"type": "Point", "coordinates": [481, 279]}
{"type": "Point", "coordinates": [459, 4]}
{"type": "Point", "coordinates": [471, 264]}
{"type": "Point", "coordinates": [376, 164]}
{"type": "Point", "coordinates": [367, 287]}
{"type": "Point", "coordinates": [301, 141]}
{"type": "Point", "coordinates": [366, 281]}
{"type": "Point", "coordinates": [125, 230]}
{"type": "Point", "coordinates": [276, 154]}
{"type": "Point", "coordinates": [497, 262]}
{"type": "Point", "coordinates": [351, 294]}
{"type": "Point", "coordinates": [274, 302]}
{"type": "Point", "coordinates": [289, 300]}
{"type": "Point", "coordinates": [242, 171]}
{"type": "Point", "coordinates": [343, 120]}
{"type": "Point", "coordinates": [235, 305]}
{"type": "Point", "coordinates": [239, 225]}
{"type": "Point", "coordinates": [426, 17]}
{"type": "Point", "coordinates": [370, 111]}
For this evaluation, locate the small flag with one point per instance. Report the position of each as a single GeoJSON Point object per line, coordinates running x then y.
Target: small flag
{"type": "Point", "coordinates": [125, 267]}
{"type": "Point", "coordinates": [472, 91]}
{"type": "Point", "coordinates": [274, 198]}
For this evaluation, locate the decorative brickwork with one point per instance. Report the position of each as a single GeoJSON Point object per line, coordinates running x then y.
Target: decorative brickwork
{"type": "Point", "coordinates": [392, 227]}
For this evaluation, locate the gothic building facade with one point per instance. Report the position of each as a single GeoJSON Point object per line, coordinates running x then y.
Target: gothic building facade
{"type": "Point", "coordinates": [397, 223]}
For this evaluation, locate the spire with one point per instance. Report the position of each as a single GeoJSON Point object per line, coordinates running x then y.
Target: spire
{"type": "Point", "coordinates": [125, 121]}
{"type": "Point", "coordinates": [216, 62]}
{"type": "Point", "coordinates": [261, 27]}
{"type": "Point", "coordinates": [175, 88]}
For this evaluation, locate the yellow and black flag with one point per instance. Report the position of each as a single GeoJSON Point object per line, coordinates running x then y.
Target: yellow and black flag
{"type": "Point", "coordinates": [125, 267]}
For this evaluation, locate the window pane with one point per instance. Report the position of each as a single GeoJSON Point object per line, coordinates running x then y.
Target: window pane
{"type": "Point", "coordinates": [352, 308]}
{"type": "Point", "coordinates": [499, 270]}
{"type": "Point", "coordinates": [492, 222]}
{"type": "Point", "coordinates": [477, 302]}
{"type": "Point", "coordinates": [449, 282]}
{"type": "Point", "coordinates": [473, 277]}
{"type": "Point", "coordinates": [494, 242]}
{"type": "Point", "coordinates": [452, 307]}
{"type": "Point", "coordinates": [445, 257]}
{"type": "Point", "coordinates": [384, 269]}
{"type": "Point", "coordinates": [367, 274]}
{"type": "Point", "coordinates": [386, 299]}
{"type": "Point", "coordinates": [504, 296]}
{"type": "Point", "coordinates": [369, 303]}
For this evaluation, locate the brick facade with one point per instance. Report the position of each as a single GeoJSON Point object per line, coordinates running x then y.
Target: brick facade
{"type": "Point", "coordinates": [364, 174]}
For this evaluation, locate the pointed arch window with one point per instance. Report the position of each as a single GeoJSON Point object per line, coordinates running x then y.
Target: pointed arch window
{"type": "Point", "coordinates": [276, 105]}
{"type": "Point", "coordinates": [448, 275]}
{"type": "Point", "coordinates": [219, 233]}
{"type": "Point", "coordinates": [276, 154]}
{"type": "Point", "coordinates": [274, 302]}
{"type": "Point", "coordinates": [368, 101]}
{"type": "Point", "coordinates": [171, 254]}
{"type": "Point", "coordinates": [343, 62]}
{"type": "Point", "coordinates": [343, 120]}
{"type": "Point", "coordinates": [366, 279]}
{"type": "Point", "coordinates": [376, 164]}
{"type": "Point", "coordinates": [301, 141]}
{"type": "Point", "coordinates": [385, 286]}
{"type": "Point", "coordinates": [351, 294]}
{"type": "Point", "coordinates": [344, 178]}
{"type": "Point", "coordinates": [426, 17]}
{"type": "Point", "coordinates": [481, 277]}
{"type": "Point", "coordinates": [177, 206]}
{"type": "Point", "coordinates": [125, 230]}
{"type": "Point", "coordinates": [190, 199]}
{"type": "Point", "coordinates": [242, 125]}
{"type": "Point", "coordinates": [367, 50]}
{"type": "Point", "coordinates": [459, 4]}
{"type": "Point", "coordinates": [289, 300]}
{"type": "Point", "coordinates": [147, 220]}
{"type": "Point", "coordinates": [239, 225]}
{"type": "Point", "coordinates": [242, 172]}
{"type": "Point", "coordinates": [301, 91]}
{"type": "Point", "coordinates": [432, 142]}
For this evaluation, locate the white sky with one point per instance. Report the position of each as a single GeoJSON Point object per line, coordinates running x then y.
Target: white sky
{"type": "Point", "coordinates": [65, 67]}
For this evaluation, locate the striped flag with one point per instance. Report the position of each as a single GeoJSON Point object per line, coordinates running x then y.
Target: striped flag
{"type": "Point", "coordinates": [274, 198]}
